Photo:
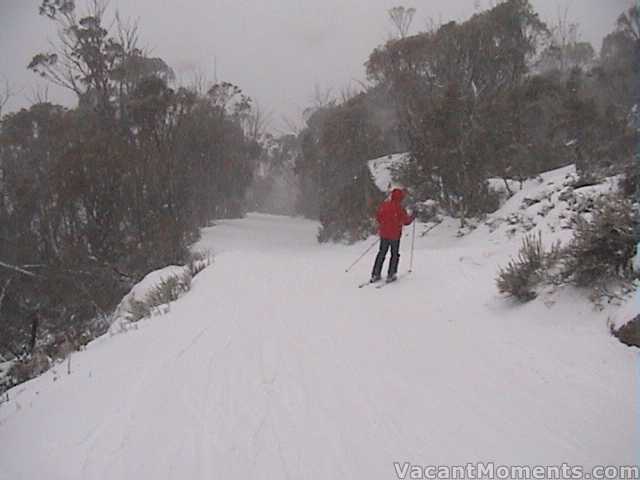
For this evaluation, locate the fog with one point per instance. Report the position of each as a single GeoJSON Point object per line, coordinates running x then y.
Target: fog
{"type": "Point", "coordinates": [277, 52]}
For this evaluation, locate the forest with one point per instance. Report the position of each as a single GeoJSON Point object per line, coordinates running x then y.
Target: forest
{"type": "Point", "coordinates": [95, 197]}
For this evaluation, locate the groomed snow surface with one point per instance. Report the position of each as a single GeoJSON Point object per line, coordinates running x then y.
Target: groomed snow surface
{"type": "Point", "coordinates": [275, 366]}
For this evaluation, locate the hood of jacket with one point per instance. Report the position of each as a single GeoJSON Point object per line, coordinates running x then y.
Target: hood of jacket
{"type": "Point", "coordinates": [397, 195]}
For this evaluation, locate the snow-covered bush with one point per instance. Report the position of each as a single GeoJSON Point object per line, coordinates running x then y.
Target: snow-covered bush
{"type": "Point", "coordinates": [168, 290]}
{"type": "Point", "coordinates": [523, 273]}
{"type": "Point", "coordinates": [46, 352]}
{"type": "Point", "coordinates": [138, 309]}
{"type": "Point", "coordinates": [28, 368]}
{"type": "Point", "coordinates": [157, 288]}
{"type": "Point", "coordinates": [603, 245]}
{"type": "Point", "coordinates": [427, 211]}
{"type": "Point", "coordinates": [198, 261]}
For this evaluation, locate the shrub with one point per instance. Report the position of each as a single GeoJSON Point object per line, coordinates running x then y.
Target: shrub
{"type": "Point", "coordinates": [167, 291]}
{"type": "Point", "coordinates": [427, 212]}
{"type": "Point", "coordinates": [602, 247]}
{"type": "Point", "coordinates": [28, 368]}
{"type": "Point", "coordinates": [138, 309]}
{"type": "Point", "coordinates": [519, 278]}
{"type": "Point", "coordinates": [198, 261]}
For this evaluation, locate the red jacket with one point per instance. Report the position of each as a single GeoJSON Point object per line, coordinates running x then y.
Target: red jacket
{"type": "Point", "coordinates": [392, 216]}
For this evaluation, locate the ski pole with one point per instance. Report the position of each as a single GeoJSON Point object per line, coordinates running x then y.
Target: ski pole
{"type": "Point", "coordinates": [413, 242]}
{"type": "Point", "coordinates": [361, 256]}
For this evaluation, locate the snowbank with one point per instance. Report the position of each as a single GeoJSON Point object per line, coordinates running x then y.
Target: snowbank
{"type": "Point", "coordinates": [121, 316]}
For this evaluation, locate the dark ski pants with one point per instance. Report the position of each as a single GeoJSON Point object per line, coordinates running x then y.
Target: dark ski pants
{"type": "Point", "coordinates": [385, 245]}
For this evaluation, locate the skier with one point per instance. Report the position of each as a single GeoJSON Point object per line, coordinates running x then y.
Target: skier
{"type": "Point", "coordinates": [391, 217]}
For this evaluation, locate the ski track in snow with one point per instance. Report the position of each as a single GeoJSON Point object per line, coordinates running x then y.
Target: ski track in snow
{"type": "Point", "coordinates": [276, 366]}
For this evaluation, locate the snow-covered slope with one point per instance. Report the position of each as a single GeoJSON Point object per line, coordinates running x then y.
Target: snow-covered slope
{"type": "Point", "coordinates": [276, 366]}
{"type": "Point", "coordinates": [545, 205]}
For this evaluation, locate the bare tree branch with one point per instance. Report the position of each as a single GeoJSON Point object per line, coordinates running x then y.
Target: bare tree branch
{"type": "Point", "coordinates": [5, 93]}
{"type": "Point", "coordinates": [401, 18]}
{"type": "Point", "coordinates": [39, 94]}
{"type": "Point", "coordinates": [257, 122]}
{"type": "Point", "coordinates": [629, 22]}
{"type": "Point", "coordinates": [19, 270]}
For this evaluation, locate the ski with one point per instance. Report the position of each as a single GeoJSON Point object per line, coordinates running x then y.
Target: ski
{"type": "Point", "coordinates": [386, 283]}
{"type": "Point", "coordinates": [366, 284]}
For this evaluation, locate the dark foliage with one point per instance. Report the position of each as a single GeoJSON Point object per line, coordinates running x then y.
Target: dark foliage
{"type": "Point", "coordinates": [603, 245]}
{"type": "Point", "coordinates": [351, 216]}
{"type": "Point", "coordinates": [629, 334]}
{"type": "Point", "coordinates": [336, 186]}
{"type": "Point", "coordinates": [94, 197]}
{"type": "Point", "coordinates": [458, 92]}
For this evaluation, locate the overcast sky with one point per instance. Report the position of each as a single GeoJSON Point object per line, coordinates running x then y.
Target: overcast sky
{"type": "Point", "coordinates": [275, 50]}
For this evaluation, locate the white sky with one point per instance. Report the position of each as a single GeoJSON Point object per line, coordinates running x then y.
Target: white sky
{"type": "Point", "coordinates": [276, 51]}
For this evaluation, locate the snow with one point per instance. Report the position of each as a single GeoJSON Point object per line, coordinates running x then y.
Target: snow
{"type": "Point", "coordinates": [276, 366]}
{"type": "Point", "coordinates": [544, 206]}
{"type": "Point", "coordinates": [382, 170]}
{"type": "Point", "coordinates": [498, 184]}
